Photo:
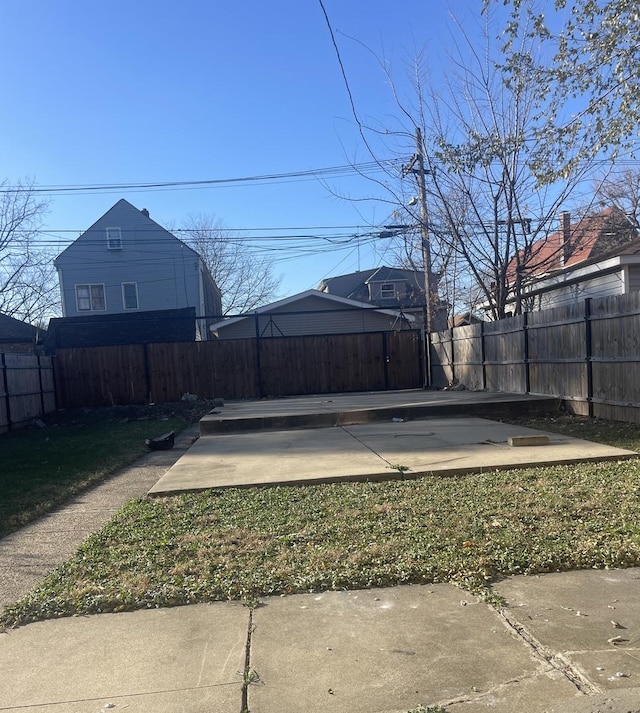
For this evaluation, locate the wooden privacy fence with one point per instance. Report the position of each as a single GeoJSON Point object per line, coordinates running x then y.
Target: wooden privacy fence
{"type": "Point", "coordinates": [587, 353]}
{"type": "Point", "coordinates": [239, 368]}
{"type": "Point", "coordinates": [26, 389]}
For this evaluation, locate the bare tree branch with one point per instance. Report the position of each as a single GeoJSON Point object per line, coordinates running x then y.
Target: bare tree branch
{"type": "Point", "coordinates": [246, 280]}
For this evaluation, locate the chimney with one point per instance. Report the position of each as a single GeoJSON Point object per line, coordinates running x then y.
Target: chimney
{"type": "Point", "coordinates": [145, 212]}
{"type": "Point", "coordinates": [566, 238]}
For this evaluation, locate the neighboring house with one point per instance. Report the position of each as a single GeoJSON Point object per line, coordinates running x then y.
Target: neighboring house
{"type": "Point", "coordinates": [17, 336]}
{"type": "Point", "coordinates": [389, 287]}
{"type": "Point", "coordinates": [127, 263]}
{"type": "Point", "coordinates": [596, 256]}
{"type": "Point", "coordinates": [312, 313]}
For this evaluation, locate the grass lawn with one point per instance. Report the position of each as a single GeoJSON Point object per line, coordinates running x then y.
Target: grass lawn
{"type": "Point", "coordinates": [468, 530]}
{"type": "Point", "coordinates": [41, 468]}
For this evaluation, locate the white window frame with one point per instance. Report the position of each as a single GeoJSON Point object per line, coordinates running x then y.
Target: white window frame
{"type": "Point", "coordinates": [90, 287]}
{"type": "Point", "coordinates": [384, 290]}
{"type": "Point", "coordinates": [124, 297]}
{"type": "Point", "coordinates": [114, 239]}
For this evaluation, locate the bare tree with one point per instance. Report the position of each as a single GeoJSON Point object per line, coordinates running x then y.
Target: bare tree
{"type": "Point", "coordinates": [622, 190]}
{"type": "Point", "coordinates": [479, 136]}
{"type": "Point", "coordinates": [28, 285]}
{"type": "Point", "coordinates": [245, 278]}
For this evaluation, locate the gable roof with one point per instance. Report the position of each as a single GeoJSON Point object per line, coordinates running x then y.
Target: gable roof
{"type": "Point", "coordinates": [350, 285]}
{"type": "Point", "coordinates": [290, 301]}
{"type": "Point", "coordinates": [139, 220]}
{"type": "Point", "coordinates": [14, 330]}
{"type": "Point", "coordinates": [589, 238]}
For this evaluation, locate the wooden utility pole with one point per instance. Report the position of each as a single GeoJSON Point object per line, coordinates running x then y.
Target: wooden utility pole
{"type": "Point", "coordinates": [417, 166]}
{"type": "Point", "coordinates": [424, 234]}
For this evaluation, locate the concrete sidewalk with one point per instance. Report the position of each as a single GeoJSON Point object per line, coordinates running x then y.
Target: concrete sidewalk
{"type": "Point", "coordinates": [375, 651]}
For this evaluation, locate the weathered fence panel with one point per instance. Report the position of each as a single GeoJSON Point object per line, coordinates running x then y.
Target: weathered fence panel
{"type": "Point", "coordinates": [442, 358]}
{"type": "Point", "coordinates": [26, 389]}
{"type": "Point", "coordinates": [557, 354]}
{"type": "Point", "coordinates": [238, 369]}
{"type": "Point", "coordinates": [615, 357]}
{"type": "Point", "coordinates": [504, 352]}
{"type": "Point", "coordinates": [469, 356]}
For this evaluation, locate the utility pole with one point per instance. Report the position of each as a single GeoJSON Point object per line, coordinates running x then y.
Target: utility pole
{"type": "Point", "coordinates": [418, 160]}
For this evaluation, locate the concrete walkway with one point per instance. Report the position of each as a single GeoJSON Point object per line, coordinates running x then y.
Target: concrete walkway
{"type": "Point", "coordinates": [565, 643]}
{"type": "Point", "coordinates": [375, 651]}
{"type": "Point", "coordinates": [28, 555]}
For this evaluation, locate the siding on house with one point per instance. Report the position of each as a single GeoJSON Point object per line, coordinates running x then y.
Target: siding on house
{"type": "Point", "coordinates": [633, 278]}
{"type": "Point", "coordinates": [126, 247]}
{"type": "Point", "coordinates": [602, 285]}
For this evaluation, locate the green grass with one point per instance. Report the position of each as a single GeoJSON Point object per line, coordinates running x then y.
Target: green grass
{"type": "Point", "coordinates": [42, 468]}
{"type": "Point", "coordinates": [244, 544]}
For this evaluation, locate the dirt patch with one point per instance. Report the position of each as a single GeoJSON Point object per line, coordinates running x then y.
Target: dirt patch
{"type": "Point", "coordinates": [190, 411]}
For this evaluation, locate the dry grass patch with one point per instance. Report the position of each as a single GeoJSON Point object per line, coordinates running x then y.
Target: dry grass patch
{"type": "Point", "coordinates": [244, 544]}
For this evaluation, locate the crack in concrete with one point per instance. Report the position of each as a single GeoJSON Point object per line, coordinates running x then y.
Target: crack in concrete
{"type": "Point", "coordinates": [481, 695]}
{"type": "Point", "coordinates": [373, 450]}
{"type": "Point", "coordinates": [249, 675]}
{"type": "Point", "coordinates": [556, 661]}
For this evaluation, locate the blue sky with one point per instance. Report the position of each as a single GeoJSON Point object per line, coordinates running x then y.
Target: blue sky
{"type": "Point", "coordinates": [152, 91]}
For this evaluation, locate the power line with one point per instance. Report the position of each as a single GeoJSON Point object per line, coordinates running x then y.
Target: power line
{"type": "Point", "coordinates": [310, 174]}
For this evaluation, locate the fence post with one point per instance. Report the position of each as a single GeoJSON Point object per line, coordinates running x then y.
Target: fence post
{"type": "Point", "coordinates": [5, 382]}
{"type": "Point", "coordinates": [483, 357]}
{"type": "Point", "coordinates": [527, 373]}
{"type": "Point", "coordinates": [258, 360]}
{"type": "Point", "coordinates": [588, 354]}
{"type": "Point", "coordinates": [41, 384]}
{"type": "Point", "coordinates": [453, 358]}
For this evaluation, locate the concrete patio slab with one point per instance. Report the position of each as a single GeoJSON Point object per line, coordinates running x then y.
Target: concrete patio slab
{"type": "Point", "coordinates": [379, 451]}
{"type": "Point", "coordinates": [327, 410]}
{"type": "Point", "coordinates": [459, 445]}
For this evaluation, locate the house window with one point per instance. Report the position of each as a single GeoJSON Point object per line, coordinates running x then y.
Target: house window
{"type": "Point", "coordinates": [130, 295]}
{"type": "Point", "coordinates": [90, 298]}
{"type": "Point", "coordinates": [114, 239]}
{"type": "Point", "coordinates": [387, 290]}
